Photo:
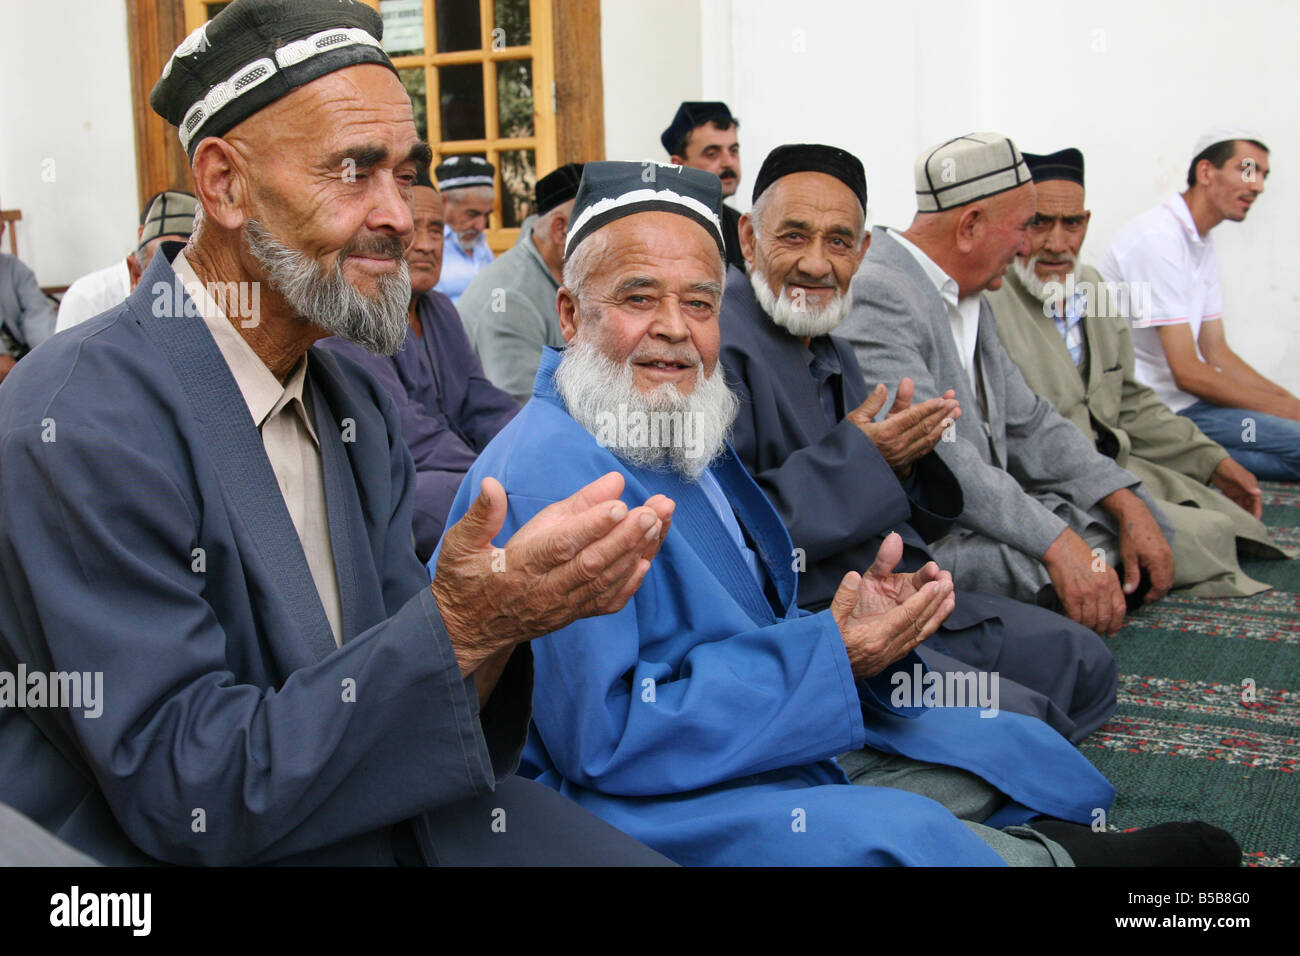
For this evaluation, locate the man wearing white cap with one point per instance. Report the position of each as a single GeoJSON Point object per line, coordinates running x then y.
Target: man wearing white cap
{"type": "Point", "coordinates": [1180, 347]}
{"type": "Point", "coordinates": [1045, 516]}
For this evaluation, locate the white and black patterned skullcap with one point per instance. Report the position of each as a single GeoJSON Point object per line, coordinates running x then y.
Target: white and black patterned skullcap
{"type": "Point", "coordinates": [966, 169]}
{"type": "Point", "coordinates": [256, 51]}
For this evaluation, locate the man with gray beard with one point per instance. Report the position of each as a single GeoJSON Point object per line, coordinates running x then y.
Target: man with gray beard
{"type": "Point", "coordinates": [704, 716]}
{"type": "Point", "coordinates": [842, 481]}
{"type": "Point", "coordinates": [1068, 333]}
{"type": "Point", "coordinates": [224, 524]}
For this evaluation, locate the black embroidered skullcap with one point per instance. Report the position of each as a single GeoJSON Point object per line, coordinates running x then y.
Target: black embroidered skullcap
{"type": "Point", "coordinates": [689, 116]}
{"type": "Point", "coordinates": [169, 213]}
{"type": "Point", "coordinates": [813, 158]}
{"type": "Point", "coordinates": [462, 172]}
{"type": "Point", "coordinates": [1064, 164]}
{"type": "Point", "coordinates": [966, 169]}
{"type": "Point", "coordinates": [558, 186]}
{"type": "Point", "coordinates": [256, 51]}
{"type": "Point", "coordinates": [612, 190]}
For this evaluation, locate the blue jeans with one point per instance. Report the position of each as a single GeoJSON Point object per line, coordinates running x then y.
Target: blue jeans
{"type": "Point", "coordinates": [1274, 452]}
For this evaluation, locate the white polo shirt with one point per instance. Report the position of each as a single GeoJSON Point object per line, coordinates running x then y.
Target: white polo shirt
{"type": "Point", "coordinates": [1162, 248]}
{"type": "Point", "coordinates": [94, 294]}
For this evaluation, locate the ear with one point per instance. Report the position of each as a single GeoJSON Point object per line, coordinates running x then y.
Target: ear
{"type": "Point", "coordinates": [566, 303]}
{"type": "Point", "coordinates": [866, 244]}
{"type": "Point", "coordinates": [559, 229]}
{"type": "Point", "coordinates": [133, 270]}
{"type": "Point", "coordinates": [677, 160]}
{"type": "Point", "coordinates": [1087, 218]}
{"type": "Point", "coordinates": [969, 225]}
{"type": "Point", "coordinates": [747, 238]}
{"type": "Point", "coordinates": [220, 183]}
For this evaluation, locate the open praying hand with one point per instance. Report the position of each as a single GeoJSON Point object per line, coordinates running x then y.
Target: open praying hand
{"type": "Point", "coordinates": [883, 615]}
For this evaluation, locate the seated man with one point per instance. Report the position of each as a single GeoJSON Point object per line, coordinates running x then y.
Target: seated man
{"type": "Point", "coordinates": [806, 433]}
{"type": "Point", "coordinates": [222, 544]}
{"type": "Point", "coordinates": [449, 411]}
{"type": "Point", "coordinates": [509, 307]}
{"type": "Point", "coordinates": [1044, 516]}
{"type": "Point", "coordinates": [26, 315]}
{"type": "Point", "coordinates": [1070, 338]}
{"type": "Point", "coordinates": [703, 717]}
{"type": "Point", "coordinates": [468, 187]}
{"type": "Point", "coordinates": [167, 217]}
{"type": "Point", "coordinates": [1181, 346]}
{"type": "Point", "coordinates": [704, 136]}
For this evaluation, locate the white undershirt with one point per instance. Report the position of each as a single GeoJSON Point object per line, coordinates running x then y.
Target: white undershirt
{"type": "Point", "coordinates": [963, 314]}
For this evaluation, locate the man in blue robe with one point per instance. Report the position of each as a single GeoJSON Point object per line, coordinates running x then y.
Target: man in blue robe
{"type": "Point", "coordinates": [805, 431]}
{"type": "Point", "coordinates": [704, 716]}
{"type": "Point", "coordinates": [217, 645]}
{"type": "Point", "coordinates": [449, 410]}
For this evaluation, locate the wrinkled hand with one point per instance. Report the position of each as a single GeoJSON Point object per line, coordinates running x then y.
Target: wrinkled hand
{"type": "Point", "coordinates": [908, 432]}
{"type": "Point", "coordinates": [1239, 485]}
{"type": "Point", "coordinates": [882, 616]}
{"type": "Point", "coordinates": [1087, 586]}
{"type": "Point", "coordinates": [580, 557]}
{"type": "Point", "coordinates": [1141, 545]}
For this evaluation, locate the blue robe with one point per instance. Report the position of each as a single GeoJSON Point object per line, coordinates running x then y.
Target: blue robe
{"type": "Point", "coordinates": [838, 498]}
{"type": "Point", "coordinates": [448, 408]}
{"type": "Point", "coordinates": [703, 718]}
{"type": "Point", "coordinates": [160, 553]}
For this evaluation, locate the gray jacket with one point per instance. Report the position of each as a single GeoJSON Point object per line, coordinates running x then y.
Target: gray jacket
{"type": "Point", "coordinates": [26, 315]}
{"type": "Point", "coordinates": [1017, 446]}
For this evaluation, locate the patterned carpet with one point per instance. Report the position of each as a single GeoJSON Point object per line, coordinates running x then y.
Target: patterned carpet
{"type": "Point", "coordinates": [1208, 722]}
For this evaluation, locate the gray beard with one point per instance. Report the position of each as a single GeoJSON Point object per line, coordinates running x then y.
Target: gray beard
{"type": "Point", "coordinates": [806, 322]}
{"type": "Point", "coordinates": [330, 301]}
{"type": "Point", "coordinates": [660, 430]}
{"type": "Point", "coordinates": [1036, 286]}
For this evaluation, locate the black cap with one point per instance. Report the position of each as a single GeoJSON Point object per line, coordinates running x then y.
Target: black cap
{"type": "Point", "coordinates": [689, 116]}
{"type": "Point", "coordinates": [1065, 164]}
{"type": "Point", "coordinates": [558, 186]}
{"type": "Point", "coordinates": [463, 172]}
{"type": "Point", "coordinates": [612, 190]}
{"type": "Point", "coordinates": [813, 158]}
{"type": "Point", "coordinates": [253, 53]}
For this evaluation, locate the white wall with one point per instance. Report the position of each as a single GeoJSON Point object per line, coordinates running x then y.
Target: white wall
{"type": "Point", "coordinates": [67, 142]}
{"type": "Point", "coordinates": [1130, 82]}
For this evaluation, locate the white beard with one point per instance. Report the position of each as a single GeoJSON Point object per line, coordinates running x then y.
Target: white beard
{"type": "Point", "coordinates": [1051, 291]}
{"type": "Point", "coordinates": [661, 429]}
{"type": "Point", "coordinates": [330, 301]}
{"type": "Point", "coordinates": [807, 321]}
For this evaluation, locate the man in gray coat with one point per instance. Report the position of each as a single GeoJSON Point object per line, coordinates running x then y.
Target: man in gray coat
{"type": "Point", "coordinates": [1046, 517]}
{"type": "Point", "coordinates": [509, 308]}
{"type": "Point", "coordinates": [26, 315]}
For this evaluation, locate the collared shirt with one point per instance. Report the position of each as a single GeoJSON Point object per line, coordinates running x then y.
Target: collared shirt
{"type": "Point", "coordinates": [1161, 254]}
{"type": "Point", "coordinates": [1070, 325]}
{"type": "Point", "coordinates": [713, 491]}
{"type": "Point", "coordinates": [459, 266]}
{"type": "Point", "coordinates": [963, 314]}
{"type": "Point", "coordinates": [282, 418]}
{"type": "Point", "coordinates": [824, 366]}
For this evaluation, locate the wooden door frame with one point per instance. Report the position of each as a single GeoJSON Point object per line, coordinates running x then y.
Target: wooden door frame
{"type": "Point", "coordinates": [156, 27]}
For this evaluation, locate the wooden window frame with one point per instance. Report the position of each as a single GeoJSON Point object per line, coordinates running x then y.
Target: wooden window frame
{"type": "Point", "coordinates": [568, 99]}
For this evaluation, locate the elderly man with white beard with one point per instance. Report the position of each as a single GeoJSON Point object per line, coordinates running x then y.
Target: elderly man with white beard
{"type": "Point", "coordinates": [1068, 332]}
{"type": "Point", "coordinates": [703, 718]}
{"type": "Point", "coordinates": [840, 480]}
